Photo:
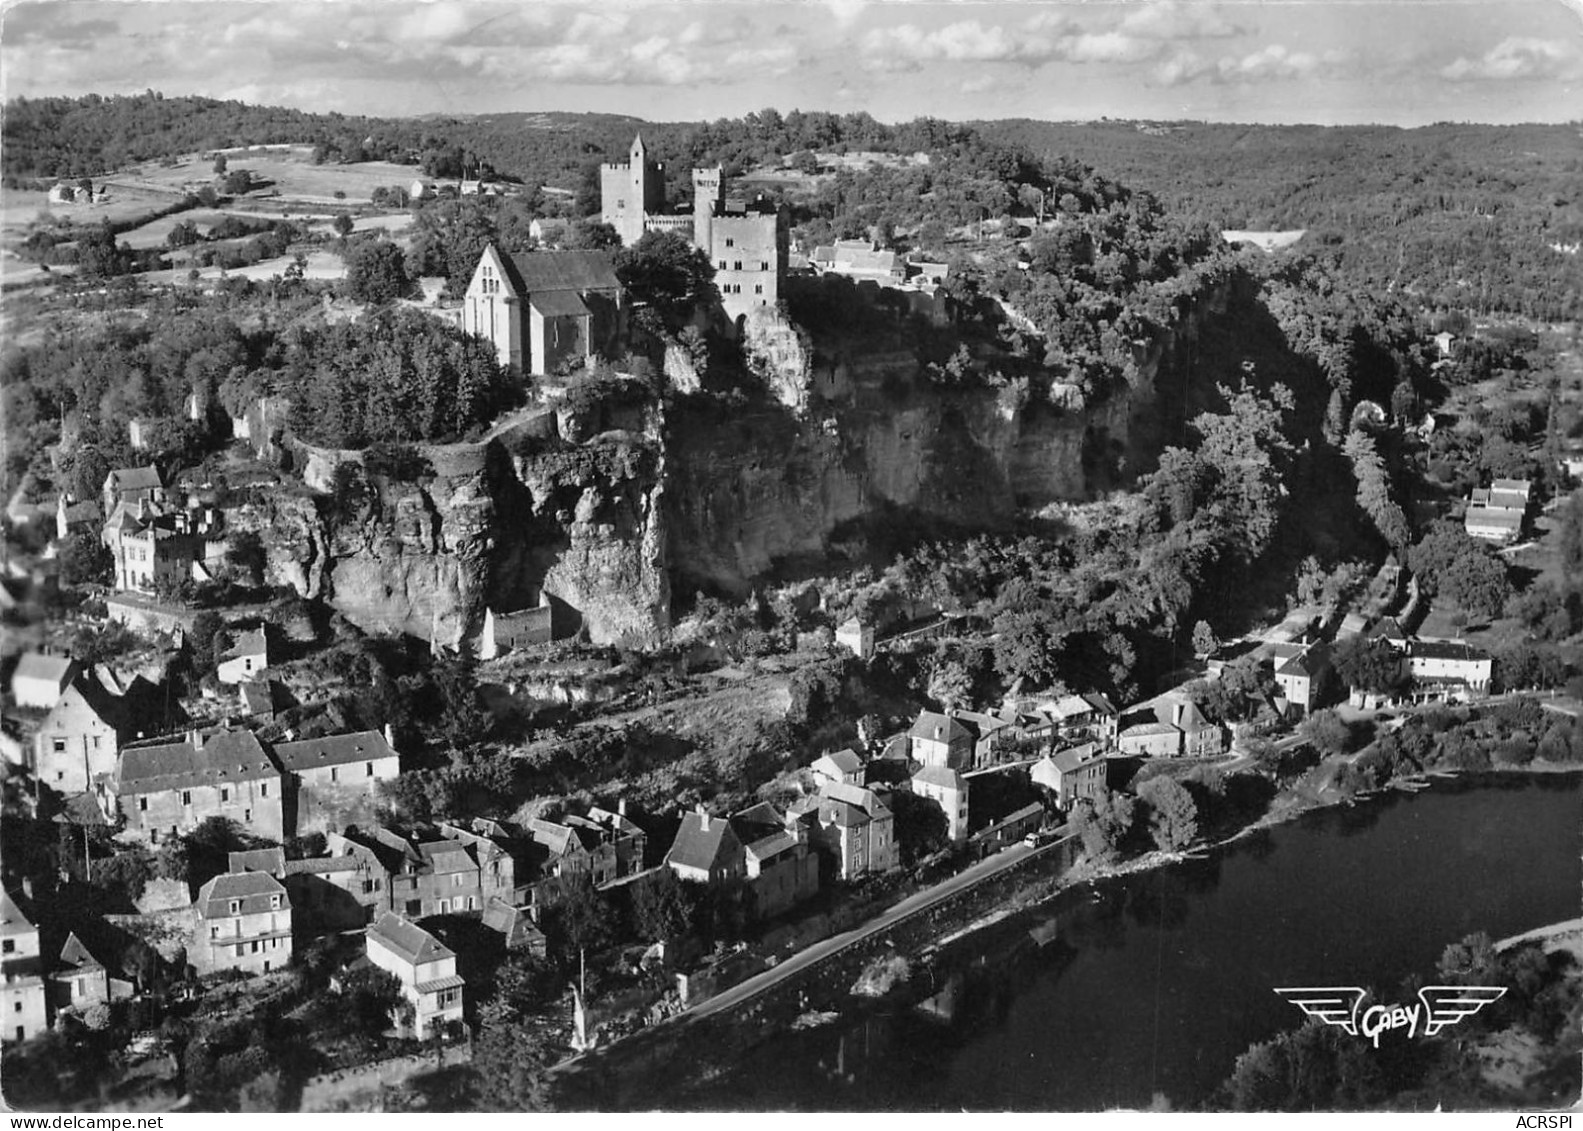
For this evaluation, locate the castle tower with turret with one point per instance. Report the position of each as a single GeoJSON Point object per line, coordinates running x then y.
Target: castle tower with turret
{"type": "Point", "coordinates": [629, 192]}
{"type": "Point", "coordinates": [709, 198]}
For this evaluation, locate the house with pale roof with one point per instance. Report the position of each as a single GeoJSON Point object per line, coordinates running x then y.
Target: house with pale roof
{"type": "Point", "coordinates": [243, 922]}
{"type": "Point", "coordinates": [941, 740]}
{"type": "Point", "coordinates": [1301, 674]}
{"type": "Point", "coordinates": [23, 1000]}
{"type": "Point", "coordinates": [843, 766]}
{"type": "Point", "coordinates": [948, 789]}
{"type": "Point", "coordinates": [1168, 726]}
{"type": "Point", "coordinates": [39, 680]}
{"type": "Point", "coordinates": [78, 742]}
{"type": "Point", "coordinates": [852, 826]}
{"type": "Point", "coordinates": [80, 981]}
{"type": "Point", "coordinates": [247, 656]}
{"type": "Point", "coordinates": [856, 636]}
{"type": "Point", "coordinates": [1072, 774]}
{"type": "Point", "coordinates": [130, 485]}
{"type": "Point", "coordinates": [706, 850]}
{"type": "Point", "coordinates": [424, 966]}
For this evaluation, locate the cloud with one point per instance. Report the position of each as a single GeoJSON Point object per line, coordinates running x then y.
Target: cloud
{"type": "Point", "coordinates": [1272, 63]}
{"type": "Point", "coordinates": [1518, 57]}
{"type": "Point", "coordinates": [1137, 34]}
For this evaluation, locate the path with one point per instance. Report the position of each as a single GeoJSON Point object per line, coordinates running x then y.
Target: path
{"type": "Point", "coordinates": [811, 956]}
{"type": "Point", "coordinates": [912, 905]}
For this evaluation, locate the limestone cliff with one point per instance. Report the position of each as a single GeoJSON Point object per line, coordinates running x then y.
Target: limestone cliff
{"type": "Point", "coordinates": [864, 433]}
{"type": "Point", "coordinates": [421, 540]}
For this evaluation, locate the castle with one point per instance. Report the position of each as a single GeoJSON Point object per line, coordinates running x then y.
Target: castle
{"type": "Point", "coordinates": [746, 243]}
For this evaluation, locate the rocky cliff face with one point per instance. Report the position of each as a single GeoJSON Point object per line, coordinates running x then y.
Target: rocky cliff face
{"type": "Point", "coordinates": [752, 493]}
{"type": "Point", "coordinates": [424, 540]}
{"type": "Point", "coordinates": [602, 508]}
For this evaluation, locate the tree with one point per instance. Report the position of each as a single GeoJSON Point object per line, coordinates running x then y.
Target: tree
{"type": "Point", "coordinates": [1370, 665]}
{"type": "Point", "coordinates": [1327, 732]}
{"type": "Point", "coordinates": [220, 163]}
{"type": "Point", "coordinates": [1471, 961]}
{"type": "Point", "coordinates": [670, 275]}
{"type": "Point", "coordinates": [509, 1063]}
{"type": "Point", "coordinates": [1204, 640]}
{"type": "Point", "coordinates": [376, 271]}
{"type": "Point", "coordinates": [662, 907]}
{"type": "Point", "coordinates": [343, 224]}
{"type": "Point", "coordinates": [1104, 823]}
{"type": "Point", "coordinates": [578, 917]}
{"type": "Point", "coordinates": [1465, 569]}
{"type": "Point", "coordinates": [590, 235]}
{"type": "Point", "coordinates": [99, 256]}
{"type": "Point", "coordinates": [237, 182]}
{"type": "Point", "coordinates": [246, 556]}
{"type": "Point", "coordinates": [85, 560]}
{"type": "Point", "coordinates": [207, 628]}
{"type": "Point", "coordinates": [1316, 1067]}
{"type": "Point", "coordinates": [919, 824]}
{"type": "Point", "coordinates": [1374, 489]}
{"type": "Point", "coordinates": [1173, 814]}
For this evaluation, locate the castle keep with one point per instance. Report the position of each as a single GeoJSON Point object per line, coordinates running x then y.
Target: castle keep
{"type": "Point", "coordinates": [747, 243]}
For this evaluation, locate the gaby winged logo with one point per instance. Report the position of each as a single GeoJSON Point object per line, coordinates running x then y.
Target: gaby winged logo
{"type": "Point", "coordinates": [1437, 1008]}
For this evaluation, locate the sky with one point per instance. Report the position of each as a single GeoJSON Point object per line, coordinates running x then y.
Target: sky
{"type": "Point", "coordinates": [1401, 62]}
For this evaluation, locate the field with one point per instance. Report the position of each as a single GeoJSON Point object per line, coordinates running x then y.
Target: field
{"type": "Point", "coordinates": [288, 174]}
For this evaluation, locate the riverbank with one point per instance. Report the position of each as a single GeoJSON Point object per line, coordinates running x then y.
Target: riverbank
{"type": "Point", "coordinates": [675, 1064]}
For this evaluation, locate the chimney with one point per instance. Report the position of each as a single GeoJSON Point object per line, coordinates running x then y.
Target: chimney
{"type": "Point", "coordinates": [703, 817]}
{"type": "Point", "coordinates": [390, 736]}
{"type": "Point", "coordinates": [621, 806]}
{"type": "Point", "coordinates": [195, 738]}
{"type": "Point", "coordinates": [27, 886]}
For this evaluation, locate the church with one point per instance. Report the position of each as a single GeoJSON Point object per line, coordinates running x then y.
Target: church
{"type": "Point", "coordinates": [545, 309]}
{"type": "Point", "coordinates": [747, 242]}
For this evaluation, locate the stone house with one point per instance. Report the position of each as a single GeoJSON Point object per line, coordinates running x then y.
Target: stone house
{"type": "Point", "coordinates": [948, 789]}
{"type": "Point", "coordinates": [79, 981]}
{"type": "Point", "coordinates": [128, 486]}
{"type": "Point", "coordinates": [1300, 671]}
{"type": "Point", "coordinates": [243, 922]}
{"type": "Point", "coordinates": [852, 826]}
{"type": "Point", "coordinates": [781, 870]}
{"type": "Point", "coordinates": [629, 839]}
{"type": "Point", "coordinates": [39, 680]}
{"type": "Point", "coordinates": [425, 968]}
{"type": "Point", "coordinates": [247, 656]}
{"type": "Point", "coordinates": [856, 637]}
{"type": "Point", "coordinates": [170, 788]}
{"type": "Point", "coordinates": [337, 778]}
{"type": "Point", "coordinates": [544, 309]}
{"type": "Point", "coordinates": [336, 893]}
{"type": "Point", "coordinates": [844, 766]}
{"type": "Point", "coordinates": [941, 740]}
{"type": "Point", "coordinates": [1448, 663]}
{"type": "Point", "coordinates": [512, 632]}
{"type": "Point", "coordinates": [706, 850]}
{"type": "Point", "coordinates": [79, 740]}
{"type": "Point", "coordinates": [1072, 774]}
{"type": "Point", "coordinates": [70, 517]}
{"type": "Point", "coordinates": [1169, 725]}
{"type": "Point", "coordinates": [24, 1003]}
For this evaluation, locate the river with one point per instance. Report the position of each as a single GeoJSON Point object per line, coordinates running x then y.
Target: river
{"type": "Point", "coordinates": [1152, 984]}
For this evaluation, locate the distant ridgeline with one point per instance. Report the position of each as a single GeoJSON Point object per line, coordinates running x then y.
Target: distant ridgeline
{"type": "Point", "coordinates": [1486, 218]}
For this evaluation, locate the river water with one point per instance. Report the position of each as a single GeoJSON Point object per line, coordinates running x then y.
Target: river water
{"type": "Point", "coordinates": [1153, 984]}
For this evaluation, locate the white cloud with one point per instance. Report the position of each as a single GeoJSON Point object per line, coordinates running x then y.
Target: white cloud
{"type": "Point", "coordinates": [1272, 63]}
{"type": "Point", "coordinates": [1518, 57]}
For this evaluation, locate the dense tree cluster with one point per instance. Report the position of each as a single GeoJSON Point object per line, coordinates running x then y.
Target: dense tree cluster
{"type": "Point", "coordinates": [1459, 215]}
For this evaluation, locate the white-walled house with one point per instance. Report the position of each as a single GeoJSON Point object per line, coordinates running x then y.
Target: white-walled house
{"type": "Point", "coordinates": [424, 966]}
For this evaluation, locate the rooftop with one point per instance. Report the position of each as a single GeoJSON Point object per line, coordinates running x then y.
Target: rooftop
{"type": "Point", "coordinates": [256, 891]}
{"type": "Point", "coordinates": [408, 940]}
